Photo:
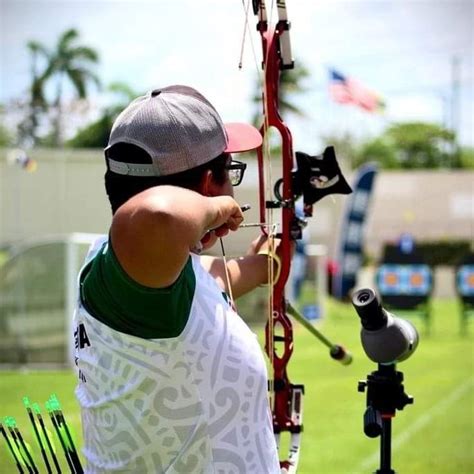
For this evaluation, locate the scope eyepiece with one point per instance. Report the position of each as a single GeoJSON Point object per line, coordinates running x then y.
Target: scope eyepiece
{"type": "Point", "coordinates": [369, 308]}
{"type": "Point", "coordinates": [364, 297]}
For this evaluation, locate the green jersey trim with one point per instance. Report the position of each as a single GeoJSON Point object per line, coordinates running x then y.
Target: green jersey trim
{"type": "Point", "coordinates": [112, 297]}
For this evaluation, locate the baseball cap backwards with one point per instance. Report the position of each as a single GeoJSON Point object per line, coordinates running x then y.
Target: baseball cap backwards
{"type": "Point", "coordinates": [179, 129]}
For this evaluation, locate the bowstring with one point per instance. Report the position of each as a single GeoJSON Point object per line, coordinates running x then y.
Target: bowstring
{"type": "Point", "coordinates": [227, 275]}
{"type": "Point", "coordinates": [247, 31]}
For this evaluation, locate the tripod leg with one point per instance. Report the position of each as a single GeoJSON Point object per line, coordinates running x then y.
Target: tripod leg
{"type": "Point", "coordinates": [386, 447]}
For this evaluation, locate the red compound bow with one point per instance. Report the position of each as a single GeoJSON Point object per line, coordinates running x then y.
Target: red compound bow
{"type": "Point", "coordinates": [313, 178]}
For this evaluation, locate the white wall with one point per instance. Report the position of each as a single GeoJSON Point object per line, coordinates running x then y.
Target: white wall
{"type": "Point", "coordinates": [66, 194]}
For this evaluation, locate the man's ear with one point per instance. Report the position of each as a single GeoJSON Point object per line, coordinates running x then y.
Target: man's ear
{"type": "Point", "coordinates": [207, 184]}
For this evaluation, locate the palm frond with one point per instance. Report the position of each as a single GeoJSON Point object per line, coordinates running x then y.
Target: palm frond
{"type": "Point", "coordinates": [36, 47]}
{"type": "Point", "coordinates": [291, 108]}
{"type": "Point", "coordinates": [78, 81]}
{"type": "Point", "coordinates": [290, 85]}
{"type": "Point", "coordinates": [66, 38]}
{"type": "Point", "coordinates": [80, 78]}
{"type": "Point", "coordinates": [84, 53]}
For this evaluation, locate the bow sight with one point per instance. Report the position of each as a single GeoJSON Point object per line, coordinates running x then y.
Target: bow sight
{"type": "Point", "coordinates": [313, 178]}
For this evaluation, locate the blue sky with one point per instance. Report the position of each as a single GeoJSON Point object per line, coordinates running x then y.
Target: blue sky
{"type": "Point", "coordinates": [401, 49]}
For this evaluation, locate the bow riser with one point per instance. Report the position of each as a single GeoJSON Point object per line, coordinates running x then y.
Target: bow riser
{"type": "Point", "coordinates": [272, 62]}
{"type": "Point", "coordinates": [286, 397]}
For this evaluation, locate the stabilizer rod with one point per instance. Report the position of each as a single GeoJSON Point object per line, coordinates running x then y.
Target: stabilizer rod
{"type": "Point", "coordinates": [336, 351]}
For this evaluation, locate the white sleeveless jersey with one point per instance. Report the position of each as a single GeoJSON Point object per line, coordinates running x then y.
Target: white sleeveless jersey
{"type": "Point", "coordinates": [196, 403]}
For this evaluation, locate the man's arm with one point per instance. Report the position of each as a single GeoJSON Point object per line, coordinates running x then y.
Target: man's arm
{"type": "Point", "coordinates": [153, 232]}
{"type": "Point", "coordinates": [245, 273]}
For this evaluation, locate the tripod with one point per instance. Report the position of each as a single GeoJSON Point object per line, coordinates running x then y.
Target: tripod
{"type": "Point", "coordinates": [385, 395]}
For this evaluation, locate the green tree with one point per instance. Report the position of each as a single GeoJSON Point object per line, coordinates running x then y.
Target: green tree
{"type": "Point", "coordinates": [378, 150]}
{"type": "Point", "coordinates": [346, 148]}
{"type": "Point", "coordinates": [466, 157]}
{"type": "Point", "coordinates": [412, 145]}
{"type": "Point", "coordinates": [5, 136]}
{"type": "Point", "coordinates": [96, 134]}
{"type": "Point", "coordinates": [66, 61]}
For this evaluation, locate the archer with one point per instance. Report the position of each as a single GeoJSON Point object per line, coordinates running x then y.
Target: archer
{"type": "Point", "coordinates": [173, 380]}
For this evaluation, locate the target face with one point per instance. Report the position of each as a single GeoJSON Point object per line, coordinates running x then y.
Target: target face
{"type": "Point", "coordinates": [413, 280]}
{"type": "Point", "coordinates": [465, 280]}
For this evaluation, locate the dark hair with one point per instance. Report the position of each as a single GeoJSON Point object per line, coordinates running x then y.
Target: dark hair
{"type": "Point", "coordinates": [120, 188]}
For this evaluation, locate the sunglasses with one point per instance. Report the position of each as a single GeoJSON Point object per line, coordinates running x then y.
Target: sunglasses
{"type": "Point", "coordinates": [236, 172]}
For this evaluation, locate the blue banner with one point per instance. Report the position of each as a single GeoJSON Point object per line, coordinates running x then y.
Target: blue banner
{"type": "Point", "coordinates": [351, 241]}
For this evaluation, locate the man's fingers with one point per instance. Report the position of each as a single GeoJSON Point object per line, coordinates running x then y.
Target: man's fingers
{"type": "Point", "coordinates": [222, 231]}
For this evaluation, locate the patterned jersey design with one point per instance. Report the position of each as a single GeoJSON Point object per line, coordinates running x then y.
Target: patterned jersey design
{"type": "Point", "coordinates": [196, 403]}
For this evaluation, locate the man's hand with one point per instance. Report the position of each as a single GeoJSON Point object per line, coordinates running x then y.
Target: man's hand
{"type": "Point", "coordinates": [228, 216]}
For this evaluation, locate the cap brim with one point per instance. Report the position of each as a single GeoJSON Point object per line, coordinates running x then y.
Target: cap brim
{"type": "Point", "coordinates": [242, 137]}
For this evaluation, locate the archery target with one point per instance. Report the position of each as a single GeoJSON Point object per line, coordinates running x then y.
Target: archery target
{"type": "Point", "coordinates": [413, 280]}
{"type": "Point", "coordinates": [465, 280]}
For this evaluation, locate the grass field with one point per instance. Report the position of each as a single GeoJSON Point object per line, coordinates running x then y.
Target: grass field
{"type": "Point", "coordinates": [433, 436]}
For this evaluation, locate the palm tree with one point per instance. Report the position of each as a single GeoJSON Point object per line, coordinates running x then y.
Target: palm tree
{"type": "Point", "coordinates": [66, 61]}
{"type": "Point", "coordinates": [290, 84]}
{"type": "Point", "coordinates": [37, 94]}
{"type": "Point", "coordinates": [96, 134]}
{"type": "Point", "coordinates": [37, 103]}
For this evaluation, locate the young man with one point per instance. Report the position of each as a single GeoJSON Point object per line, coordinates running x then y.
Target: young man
{"type": "Point", "coordinates": [171, 378]}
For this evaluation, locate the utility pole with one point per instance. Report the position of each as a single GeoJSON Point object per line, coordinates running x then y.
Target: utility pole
{"type": "Point", "coordinates": [455, 110]}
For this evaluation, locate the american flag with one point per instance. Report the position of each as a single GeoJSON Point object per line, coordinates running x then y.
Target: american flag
{"type": "Point", "coordinates": [344, 90]}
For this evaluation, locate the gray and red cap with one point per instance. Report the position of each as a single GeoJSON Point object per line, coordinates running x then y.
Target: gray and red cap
{"type": "Point", "coordinates": [179, 129]}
